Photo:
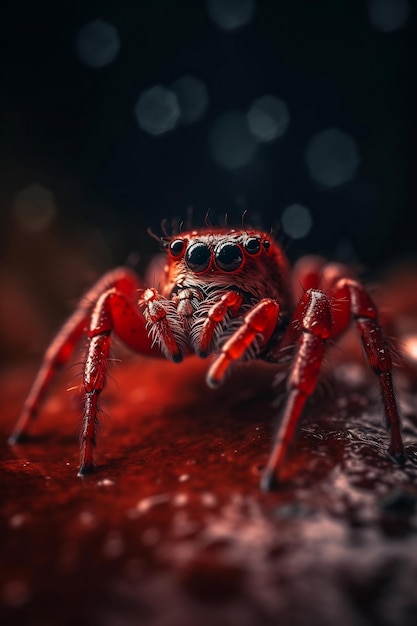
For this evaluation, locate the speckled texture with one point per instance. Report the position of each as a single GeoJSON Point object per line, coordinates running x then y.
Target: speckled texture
{"type": "Point", "coordinates": [173, 530]}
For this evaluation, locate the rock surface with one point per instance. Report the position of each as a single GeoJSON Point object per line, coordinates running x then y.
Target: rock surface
{"type": "Point", "coordinates": [172, 529]}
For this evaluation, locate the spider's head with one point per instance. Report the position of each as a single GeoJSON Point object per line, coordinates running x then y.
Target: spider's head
{"type": "Point", "coordinates": [248, 260]}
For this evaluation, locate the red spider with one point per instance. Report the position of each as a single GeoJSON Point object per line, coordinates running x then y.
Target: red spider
{"type": "Point", "coordinates": [226, 293]}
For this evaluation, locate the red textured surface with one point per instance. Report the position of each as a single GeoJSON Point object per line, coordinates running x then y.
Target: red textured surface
{"type": "Point", "coordinates": [173, 529]}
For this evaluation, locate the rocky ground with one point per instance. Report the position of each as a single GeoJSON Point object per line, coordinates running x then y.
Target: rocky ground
{"type": "Point", "coordinates": [173, 529]}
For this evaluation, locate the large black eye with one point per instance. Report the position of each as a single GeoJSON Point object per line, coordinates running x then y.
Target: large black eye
{"type": "Point", "coordinates": [198, 257]}
{"type": "Point", "coordinates": [252, 245]}
{"type": "Point", "coordinates": [228, 256]}
{"type": "Point", "coordinates": [176, 247]}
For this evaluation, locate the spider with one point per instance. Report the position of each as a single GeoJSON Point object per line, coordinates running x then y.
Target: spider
{"type": "Point", "coordinates": [228, 294]}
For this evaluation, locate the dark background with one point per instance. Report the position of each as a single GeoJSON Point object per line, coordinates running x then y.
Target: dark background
{"type": "Point", "coordinates": [72, 129]}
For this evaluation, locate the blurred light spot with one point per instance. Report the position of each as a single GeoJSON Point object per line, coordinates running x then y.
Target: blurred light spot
{"type": "Point", "coordinates": [157, 110]}
{"type": "Point", "coordinates": [410, 347]}
{"type": "Point", "coordinates": [231, 144]}
{"type": "Point", "coordinates": [332, 157]}
{"type": "Point", "coordinates": [34, 208]}
{"type": "Point", "coordinates": [192, 98]}
{"type": "Point", "coordinates": [17, 520]}
{"type": "Point", "coordinates": [388, 15]}
{"type": "Point", "coordinates": [97, 43]}
{"type": "Point", "coordinates": [268, 118]}
{"type": "Point", "coordinates": [87, 519]}
{"type": "Point", "coordinates": [208, 499]}
{"type": "Point", "coordinates": [114, 545]}
{"type": "Point", "coordinates": [15, 593]}
{"type": "Point", "coordinates": [230, 14]}
{"type": "Point", "coordinates": [180, 499]}
{"type": "Point", "coordinates": [106, 482]}
{"type": "Point", "coordinates": [151, 536]}
{"type": "Point", "coordinates": [146, 504]}
{"type": "Point", "coordinates": [296, 221]}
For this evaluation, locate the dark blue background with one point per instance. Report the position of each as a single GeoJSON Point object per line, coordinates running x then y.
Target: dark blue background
{"type": "Point", "coordinates": [72, 128]}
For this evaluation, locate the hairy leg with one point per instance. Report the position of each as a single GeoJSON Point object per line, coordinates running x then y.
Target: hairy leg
{"type": "Point", "coordinates": [309, 328]}
{"type": "Point", "coordinates": [114, 313]}
{"type": "Point", "coordinates": [229, 301]}
{"type": "Point", "coordinates": [353, 297]}
{"type": "Point", "coordinates": [346, 300]}
{"type": "Point", "coordinates": [260, 321]}
{"type": "Point", "coordinates": [65, 341]}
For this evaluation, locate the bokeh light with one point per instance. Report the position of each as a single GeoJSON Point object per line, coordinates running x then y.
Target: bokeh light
{"type": "Point", "coordinates": [296, 221]}
{"type": "Point", "coordinates": [231, 14]}
{"type": "Point", "coordinates": [97, 43]}
{"type": "Point", "coordinates": [192, 98]}
{"type": "Point", "coordinates": [388, 15]}
{"type": "Point", "coordinates": [268, 118]}
{"type": "Point", "coordinates": [409, 345]}
{"type": "Point", "coordinates": [231, 144]}
{"type": "Point", "coordinates": [332, 157]}
{"type": "Point", "coordinates": [157, 110]}
{"type": "Point", "coordinates": [34, 208]}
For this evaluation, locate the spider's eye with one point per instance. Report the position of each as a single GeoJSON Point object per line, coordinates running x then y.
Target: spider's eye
{"type": "Point", "coordinates": [198, 257]}
{"type": "Point", "coordinates": [176, 247]}
{"type": "Point", "coordinates": [252, 245]}
{"type": "Point", "coordinates": [228, 256]}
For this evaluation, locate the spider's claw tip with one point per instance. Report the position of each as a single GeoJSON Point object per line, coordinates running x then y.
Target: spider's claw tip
{"type": "Point", "coordinates": [16, 438]}
{"type": "Point", "coordinates": [85, 469]}
{"type": "Point", "coordinates": [399, 457]}
{"type": "Point", "coordinates": [213, 383]}
{"type": "Point", "coordinates": [269, 480]}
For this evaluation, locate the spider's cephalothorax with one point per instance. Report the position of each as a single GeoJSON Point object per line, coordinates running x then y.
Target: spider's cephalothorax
{"type": "Point", "coordinates": [229, 294]}
{"type": "Point", "coordinates": [211, 280]}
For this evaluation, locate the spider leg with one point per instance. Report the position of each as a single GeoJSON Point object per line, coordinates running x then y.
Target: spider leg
{"type": "Point", "coordinates": [114, 312]}
{"type": "Point", "coordinates": [312, 324]}
{"type": "Point", "coordinates": [230, 301]}
{"type": "Point", "coordinates": [260, 320]}
{"type": "Point", "coordinates": [351, 296]}
{"type": "Point", "coordinates": [310, 327]}
{"type": "Point", "coordinates": [64, 343]}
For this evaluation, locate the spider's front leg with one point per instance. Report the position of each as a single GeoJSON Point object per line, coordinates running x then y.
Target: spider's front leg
{"type": "Point", "coordinates": [231, 301]}
{"type": "Point", "coordinates": [259, 323]}
{"type": "Point", "coordinates": [115, 312]}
